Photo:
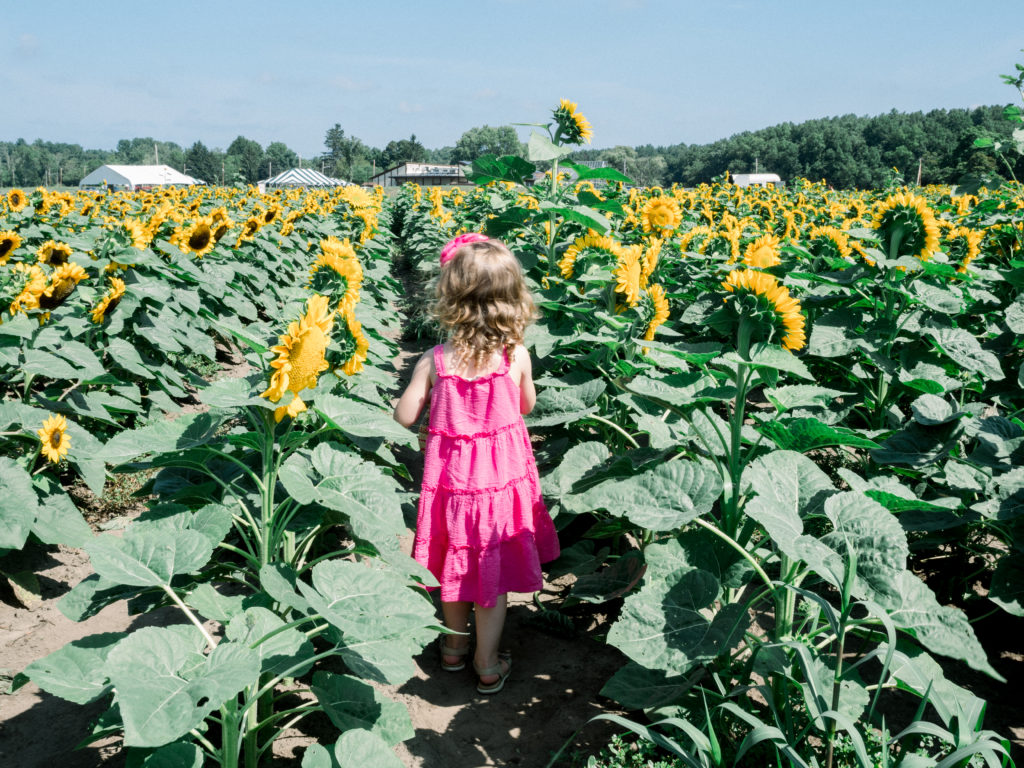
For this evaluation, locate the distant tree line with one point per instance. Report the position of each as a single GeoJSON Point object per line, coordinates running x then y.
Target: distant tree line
{"type": "Point", "coordinates": [847, 152]}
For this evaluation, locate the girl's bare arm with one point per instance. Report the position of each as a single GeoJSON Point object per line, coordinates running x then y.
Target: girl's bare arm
{"type": "Point", "coordinates": [527, 392]}
{"type": "Point", "coordinates": [411, 403]}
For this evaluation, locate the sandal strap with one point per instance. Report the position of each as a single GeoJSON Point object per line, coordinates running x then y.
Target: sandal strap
{"type": "Point", "coordinates": [449, 651]}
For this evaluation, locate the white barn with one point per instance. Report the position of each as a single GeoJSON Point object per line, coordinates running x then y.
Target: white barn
{"type": "Point", "coordinates": [134, 177]}
{"type": "Point", "coordinates": [424, 174]}
{"type": "Point", "coordinates": [756, 179]}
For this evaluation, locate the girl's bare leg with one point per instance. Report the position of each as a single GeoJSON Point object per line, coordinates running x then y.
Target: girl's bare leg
{"type": "Point", "coordinates": [489, 623]}
{"type": "Point", "coordinates": [456, 618]}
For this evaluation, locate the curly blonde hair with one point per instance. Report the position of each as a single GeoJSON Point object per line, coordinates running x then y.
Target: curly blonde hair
{"type": "Point", "coordinates": [482, 301]}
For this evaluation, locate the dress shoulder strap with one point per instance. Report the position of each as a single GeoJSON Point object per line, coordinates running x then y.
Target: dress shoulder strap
{"type": "Point", "coordinates": [439, 360]}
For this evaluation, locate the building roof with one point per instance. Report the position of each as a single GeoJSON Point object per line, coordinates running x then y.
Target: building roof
{"type": "Point", "coordinates": [303, 177]}
{"type": "Point", "coordinates": [746, 179]}
{"type": "Point", "coordinates": [413, 170]}
{"type": "Point", "coordinates": [136, 176]}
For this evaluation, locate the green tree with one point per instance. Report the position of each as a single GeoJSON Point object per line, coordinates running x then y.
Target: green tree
{"type": "Point", "coordinates": [278, 157]}
{"type": "Point", "coordinates": [200, 163]}
{"type": "Point", "coordinates": [486, 140]}
{"type": "Point", "coordinates": [248, 156]}
{"type": "Point", "coordinates": [403, 151]}
{"type": "Point", "coordinates": [342, 152]}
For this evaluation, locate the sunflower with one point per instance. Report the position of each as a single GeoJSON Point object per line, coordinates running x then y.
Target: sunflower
{"type": "Point", "coordinates": [137, 233]}
{"type": "Point", "coordinates": [109, 301]}
{"type": "Point", "coordinates": [907, 226]}
{"type": "Point", "coordinates": [649, 262]}
{"type": "Point", "coordinates": [660, 306]}
{"type": "Point", "coordinates": [661, 215]}
{"type": "Point", "coordinates": [829, 241]}
{"type": "Point", "coordinates": [763, 252]}
{"type": "Point", "coordinates": [699, 231]}
{"type": "Point", "coordinates": [590, 241]}
{"type": "Point", "coordinates": [9, 242]}
{"type": "Point", "coordinates": [765, 288]}
{"type": "Point", "coordinates": [24, 285]}
{"type": "Point", "coordinates": [55, 438]}
{"type": "Point", "coordinates": [964, 246]}
{"type": "Point", "coordinates": [196, 237]}
{"type": "Point", "coordinates": [627, 274]}
{"type": "Point", "coordinates": [16, 199]}
{"type": "Point", "coordinates": [337, 272]}
{"type": "Point", "coordinates": [62, 283]}
{"type": "Point", "coordinates": [354, 363]}
{"type": "Point", "coordinates": [53, 253]}
{"type": "Point", "coordinates": [249, 229]}
{"type": "Point", "coordinates": [572, 126]}
{"type": "Point", "coordinates": [300, 356]}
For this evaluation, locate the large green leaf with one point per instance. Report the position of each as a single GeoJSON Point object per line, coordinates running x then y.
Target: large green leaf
{"type": "Point", "coordinates": [579, 461]}
{"type": "Point", "coordinates": [661, 499]}
{"type": "Point", "coordinates": [540, 148]}
{"type": "Point", "coordinates": [565, 404]}
{"type": "Point", "coordinates": [280, 651]}
{"type": "Point", "coordinates": [964, 349]}
{"type": "Point", "coordinates": [771, 357]}
{"type": "Point", "coordinates": [684, 390]}
{"type": "Point", "coordinates": [351, 703]}
{"type": "Point", "coordinates": [939, 628]}
{"type": "Point", "coordinates": [76, 672]}
{"type": "Point", "coordinates": [360, 749]}
{"type": "Point", "coordinates": [1007, 589]}
{"type": "Point", "coordinates": [163, 436]}
{"type": "Point", "coordinates": [58, 520]}
{"type": "Point", "coordinates": [18, 504]}
{"type": "Point", "coordinates": [148, 557]}
{"type": "Point", "coordinates": [801, 396]}
{"type": "Point", "coordinates": [809, 434]}
{"type": "Point", "coordinates": [361, 420]}
{"type": "Point", "coordinates": [165, 686]}
{"type": "Point", "coordinates": [179, 754]}
{"type": "Point", "coordinates": [369, 501]}
{"type": "Point", "coordinates": [381, 620]}
{"type": "Point", "coordinates": [636, 687]}
{"type": "Point", "coordinates": [914, 670]}
{"type": "Point", "coordinates": [665, 625]}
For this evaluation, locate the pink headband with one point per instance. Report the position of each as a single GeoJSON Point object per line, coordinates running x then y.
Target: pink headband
{"type": "Point", "coordinates": [455, 243]}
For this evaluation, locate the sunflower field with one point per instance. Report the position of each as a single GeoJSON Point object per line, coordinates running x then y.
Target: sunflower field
{"type": "Point", "coordinates": [778, 429]}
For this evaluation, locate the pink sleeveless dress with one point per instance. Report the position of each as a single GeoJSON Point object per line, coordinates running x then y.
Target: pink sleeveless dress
{"type": "Point", "coordinates": [482, 528]}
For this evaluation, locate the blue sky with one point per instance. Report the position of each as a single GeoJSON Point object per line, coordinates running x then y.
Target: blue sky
{"type": "Point", "coordinates": [642, 71]}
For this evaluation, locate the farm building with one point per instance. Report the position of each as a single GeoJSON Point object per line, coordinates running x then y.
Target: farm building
{"type": "Point", "coordinates": [424, 174]}
{"type": "Point", "coordinates": [134, 177]}
{"type": "Point", "coordinates": [301, 177]}
{"type": "Point", "coordinates": [756, 180]}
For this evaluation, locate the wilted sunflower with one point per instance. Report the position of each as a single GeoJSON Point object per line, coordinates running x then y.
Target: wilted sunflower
{"type": "Point", "coordinates": [62, 282]}
{"type": "Point", "coordinates": [907, 226]}
{"type": "Point", "coordinates": [9, 242]}
{"type": "Point", "coordinates": [763, 252]}
{"type": "Point", "coordinates": [964, 246]}
{"type": "Point", "coordinates": [55, 438]}
{"type": "Point", "coordinates": [661, 215]}
{"type": "Point", "coordinates": [627, 274]}
{"type": "Point", "coordinates": [22, 285]}
{"type": "Point", "coordinates": [195, 238]}
{"type": "Point", "coordinates": [109, 301]}
{"type": "Point", "coordinates": [337, 273]}
{"type": "Point", "coordinates": [16, 199]}
{"type": "Point", "coordinates": [659, 306]}
{"type": "Point", "coordinates": [300, 356]}
{"type": "Point", "coordinates": [53, 253]}
{"type": "Point", "coordinates": [768, 294]}
{"type": "Point", "coordinates": [572, 126]}
{"type": "Point", "coordinates": [360, 345]}
{"type": "Point", "coordinates": [589, 242]}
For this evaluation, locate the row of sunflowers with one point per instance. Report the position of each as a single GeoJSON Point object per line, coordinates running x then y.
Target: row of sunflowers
{"type": "Point", "coordinates": [760, 411]}
{"type": "Point", "coordinates": [233, 350]}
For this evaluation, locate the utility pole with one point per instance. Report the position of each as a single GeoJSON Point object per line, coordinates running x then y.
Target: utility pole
{"type": "Point", "coordinates": [755, 165]}
{"type": "Point", "coordinates": [156, 153]}
{"type": "Point", "coordinates": [270, 168]}
{"type": "Point", "coordinates": [222, 173]}
{"type": "Point", "coordinates": [920, 167]}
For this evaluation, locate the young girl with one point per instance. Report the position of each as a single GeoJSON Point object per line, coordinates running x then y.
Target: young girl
{"type": "Point", "coordinates": [483, 529]}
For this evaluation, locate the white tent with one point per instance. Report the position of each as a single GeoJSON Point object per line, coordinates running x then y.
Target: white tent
{"type": "Point", "coordinates": [301, 177]}
{"type": "Point", "coordinates": [756, 179]}
{"type": "Point", "coordinates": [136, 176]}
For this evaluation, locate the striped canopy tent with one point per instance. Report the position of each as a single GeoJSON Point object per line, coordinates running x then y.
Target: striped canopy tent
{"type": "Point", "coordinates": [302, 177]}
